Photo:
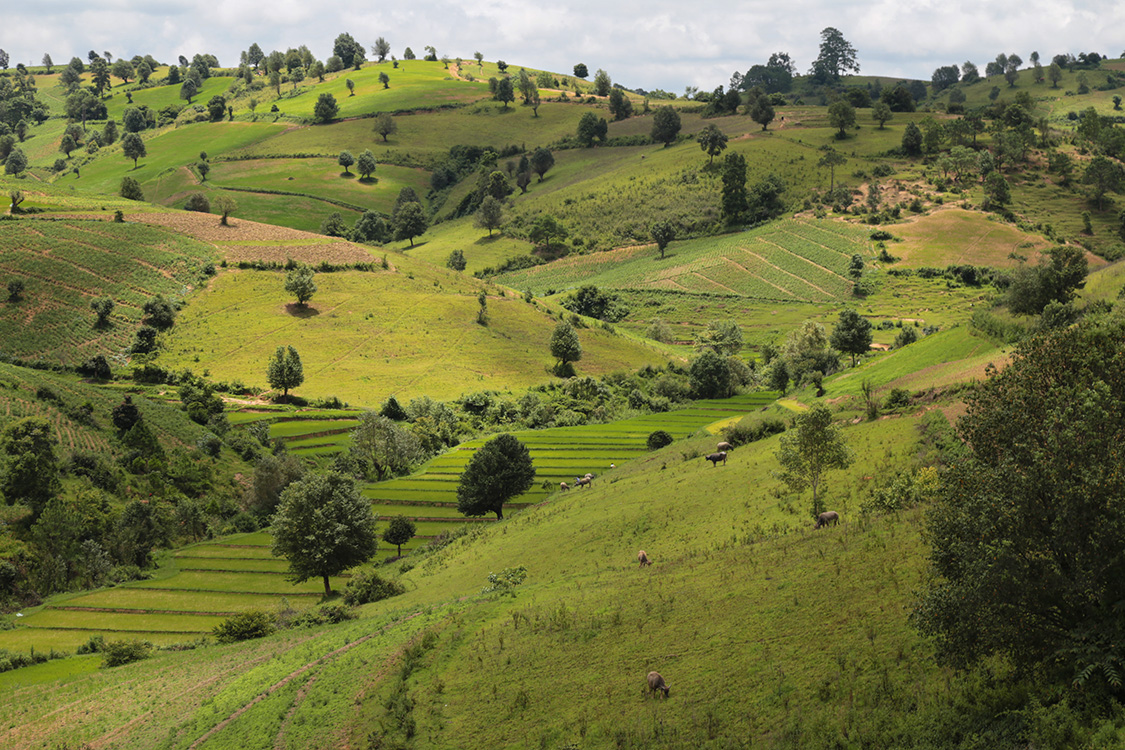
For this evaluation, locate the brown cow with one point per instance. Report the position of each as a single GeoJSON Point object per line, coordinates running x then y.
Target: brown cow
{"type": "Point", "coordinates": [827, 517]}
{"type": "Point", "coordinates": [642, 558]}
{"type": "Point", "coordinates": [715, 458]}
{"type": "Point", "coordinates": [724, 446]}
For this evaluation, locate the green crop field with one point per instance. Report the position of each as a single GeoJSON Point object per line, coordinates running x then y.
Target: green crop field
{"type": "Point", "coordinates": [67, 264]}
{"type": "Point", "coordinates": [792, 261]}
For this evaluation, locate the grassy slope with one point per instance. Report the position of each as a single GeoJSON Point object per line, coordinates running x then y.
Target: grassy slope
{"type": "Point", "coordinates": [197, 586]}
{"type": "Point", "coordinates": [739, 591]}
{"type": "Point", "coordinates": [367, 336]}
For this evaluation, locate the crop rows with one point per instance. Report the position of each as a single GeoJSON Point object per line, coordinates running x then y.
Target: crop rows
{"type": "Point", "coordinates": [238, 573]}
{"type": "Point", "coordinates": [66, 264]}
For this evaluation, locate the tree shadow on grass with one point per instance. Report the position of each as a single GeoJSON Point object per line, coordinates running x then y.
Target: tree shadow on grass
{"type": "Point", "coordinates": [667, 256]}
{"type": "Point", "coordinates": [368, 180]}
{"type": "Point", "coordinates": [347, 175]}
{"type": "Point", "coordinates": [486, 240]}
{"type": "Point", "coordinates": [301, 311]}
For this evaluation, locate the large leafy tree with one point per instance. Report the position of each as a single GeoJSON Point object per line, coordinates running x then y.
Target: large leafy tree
{"type": "Point", "coordinates": [410, 221]}
{"type": "Point", "coordinates": [385, 125]}
{"type": "Point", "coordinates": [837, 56]}
{"type": "Point", "coordinates": [300, 283]}
{"type": "Point", "coordinates": [326, 108]}
{"type": "Point", "coordinates": [499, 471]}
{"type": "Point", "coordinates": [323, 526]}
{"type": "Point", "coordinates": [665, 125]}
{"type": "Point", "coordinates": [133, 147]}
{"type": "Point", "coordinates": [841, 115]}
{"type": "Point", "coordinates": [810, 451]}
{"type": "Point", "coordinates": [852, 334]}
{"type": "Point", "coordinates": [490, 215]}
{"type": "Point", "coordinates": [590, 126]}
{"type": "Point", "coordinates": [285, 370]}
{"type": "Point", "coordinates": [29, 471]}
{"type": "Point", "coordinates": [541, 161]}
{"type": "Point", "coordinates": [565, 346]}
{"type": "Point", "coordinates": [365, 164]}
{"type": "Point", "coordinates": [1028, 558]}
{"type": "Point", "coordinates": [663, 232]}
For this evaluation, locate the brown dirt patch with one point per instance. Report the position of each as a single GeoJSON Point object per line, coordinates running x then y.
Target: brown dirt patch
{"type": "Point", "coordinates": [303, 247]}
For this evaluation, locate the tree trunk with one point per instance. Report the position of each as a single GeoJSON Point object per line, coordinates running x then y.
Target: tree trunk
{"type": "Point", "coordinates": [500, 513]}
{"type": "Point", "coordinates": [400, 550]}
{"type": "Point", "coordinates": [327, 587]}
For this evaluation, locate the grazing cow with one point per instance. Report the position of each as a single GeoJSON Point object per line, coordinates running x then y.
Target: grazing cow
{"type": "Point", "coordinates": [642, 558]}
{"type": "Point", "coordinates": [724, 446]}
{"type": "Point", "coordinates": [585, 482]}
{"type": "Point", "coordinates": [715, 458]}
{"type": "Point", "coordinates": [656, 682]}
{"type": "Point", "coordinates": [827, 517]}
{"type": "Point", "coordinates": [564, 486]}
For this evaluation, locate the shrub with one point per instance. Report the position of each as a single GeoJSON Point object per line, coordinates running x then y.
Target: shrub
{"type": "Point", "coordinates": [658, 440]}
{"type": "Point", "coordinates": [898, 398]}
{"type": "Point", "coordinates": [504, 582]}
{"type": "Point", "coordinates": [116, 653]}
{"type": "Point", "coordinates": [198, 202]}
{"type": "Point", "coordinates": [368, 586]}
{"type": "Point", "coordinates": [131, 189]}
{"type": "Point", "coordinates": [244, 626]}
{"type": "Point", "coordinates": [751, 429]}
{"type": "Point", "coordinates": [329, 614]}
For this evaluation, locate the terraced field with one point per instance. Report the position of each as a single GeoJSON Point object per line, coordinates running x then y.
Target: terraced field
{"type": "Point", "coordinates": [799, 260]}
{"type": "Point", "coordinates": [201, 585]}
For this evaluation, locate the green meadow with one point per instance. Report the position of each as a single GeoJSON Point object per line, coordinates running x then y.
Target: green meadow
{"type": "Point", "coordinates": [367, 336]}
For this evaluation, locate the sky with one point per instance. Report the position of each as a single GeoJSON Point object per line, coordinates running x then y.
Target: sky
{"type": "Point", "coordinates": [649, 44]}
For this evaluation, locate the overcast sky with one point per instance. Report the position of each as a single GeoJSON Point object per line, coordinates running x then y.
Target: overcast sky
{"type": "Point", "coordinates": [667, 44]}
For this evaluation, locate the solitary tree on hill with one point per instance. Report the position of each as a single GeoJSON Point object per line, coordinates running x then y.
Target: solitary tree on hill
{"type": "Point", "coordinates": [665, 125]}
{"type": "Point", "coordinates": [500, 470]}
{"type": "Point", "coordinates": [133, 146]}
{"type": "Point", "coordinates": [323, 526]}
{"type": "Point", "coordinates": [831, 158]}
{"type": "Point", "coordinates": [365, 164]}
{"type": "Point", "coordinates": [385, 125]}
{"type": "Point", "coordinates": [837, 56]}
{"type": "Point", "coordinates": [410, 221]}
{"type": "Point", "coordinates": [852, 334]}
{"type": "Point", "coordinates": [399, 531]}
{"type": "Point", "coordinates": [663, 232]}
{"type": "Point", "coordinates": [490, 215]}
{"type": "Point", "coordinates": [565, 347]}
{"type": "Point", "coordinates": [299, 282]}
{"type": "Point", "coordinates": [809, 452]}
{"type": "Point", "coordinates": [841, 115]}
{"type": "Point", "coordinates": [285, 370]}
{"type": "Point", "coordinates": [713, 141]}
{"type": "Point", "coordinates": [326, 108]}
